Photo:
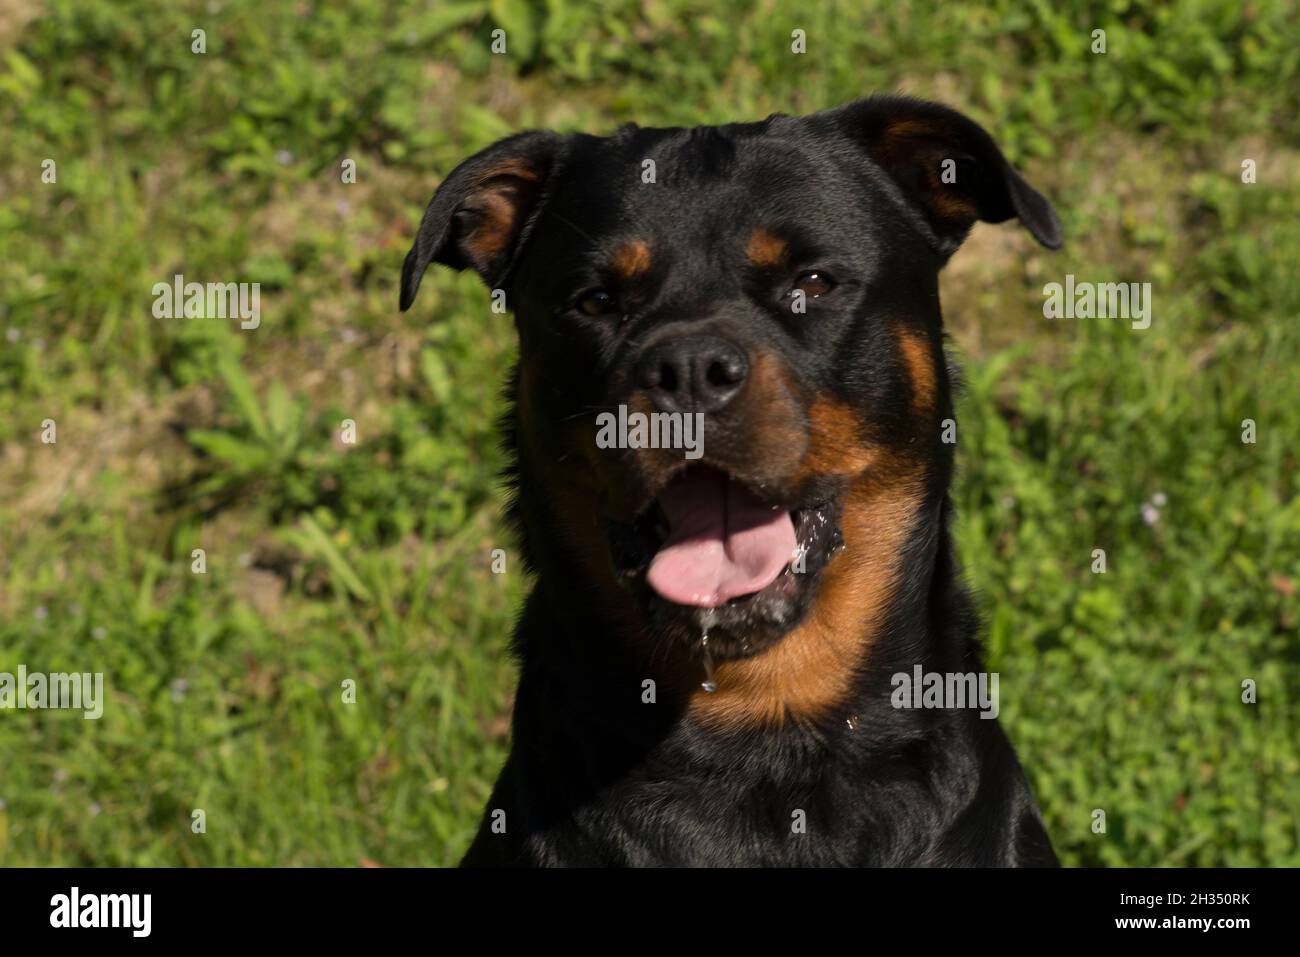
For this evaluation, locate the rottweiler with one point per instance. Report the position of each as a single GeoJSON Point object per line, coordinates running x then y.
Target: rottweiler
{"type": "Point", "coordinates": [713, 652]}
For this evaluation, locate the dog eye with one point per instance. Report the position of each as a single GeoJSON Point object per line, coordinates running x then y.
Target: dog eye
{"type": "Point", "coordinates": [814, 284]}
{"type": "Point", "coordinates": [596, 302]}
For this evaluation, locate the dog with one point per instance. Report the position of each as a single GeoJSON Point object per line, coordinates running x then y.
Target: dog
{"type": "Point", "coordinates": [710, 654]}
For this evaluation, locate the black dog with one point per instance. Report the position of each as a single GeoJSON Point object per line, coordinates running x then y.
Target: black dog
{"type": "Point", "coordinates": [709, 654]}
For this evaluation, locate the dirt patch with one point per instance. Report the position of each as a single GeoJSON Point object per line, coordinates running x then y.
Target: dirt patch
{"type": "Point", "coordinates": [14, 17]}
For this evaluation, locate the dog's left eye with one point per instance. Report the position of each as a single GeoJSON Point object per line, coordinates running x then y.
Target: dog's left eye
{"type": "Point", "coordinates": [814, 284]}
{"type": "Point", "coordinates": [595, 302]}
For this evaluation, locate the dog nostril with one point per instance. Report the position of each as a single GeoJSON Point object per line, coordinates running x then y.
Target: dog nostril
{"type": "Point", "coordinates": [691, 373]}
{"type": "Point", "coordinates": [725, 371]}
{"type": "Point", "coordinates": [666, 378]}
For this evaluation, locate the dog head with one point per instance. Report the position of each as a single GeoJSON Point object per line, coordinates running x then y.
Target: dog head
{"type": "Point", "coordinates": [761, 298]}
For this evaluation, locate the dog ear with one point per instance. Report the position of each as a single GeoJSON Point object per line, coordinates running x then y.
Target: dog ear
{"type": "Point", "coordinates": [913, 141]}
{"type": "Point", "coordinates": [480, 213]}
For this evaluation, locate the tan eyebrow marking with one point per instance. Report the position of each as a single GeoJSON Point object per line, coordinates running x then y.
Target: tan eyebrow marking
{"type": "Point", "coordinates": [765, 249]}
{"type": "Point", "coordinates": [632, 260]}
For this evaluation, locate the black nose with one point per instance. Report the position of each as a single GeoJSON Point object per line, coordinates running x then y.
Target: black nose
{"type": "Point", "coordinates": [692, 374]}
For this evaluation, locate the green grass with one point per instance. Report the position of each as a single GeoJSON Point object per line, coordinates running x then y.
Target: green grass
{"type": "Point", "coordinates": [328, 562]}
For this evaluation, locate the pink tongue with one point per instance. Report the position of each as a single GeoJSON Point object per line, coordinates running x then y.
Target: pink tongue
{"type": "Point", "coordinates": [722, 542]}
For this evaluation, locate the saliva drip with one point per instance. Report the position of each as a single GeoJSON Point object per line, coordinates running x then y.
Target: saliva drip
{"type": "Point", "coordinates": [709, 685]}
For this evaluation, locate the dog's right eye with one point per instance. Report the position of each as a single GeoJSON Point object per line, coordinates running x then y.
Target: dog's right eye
{"type": "Point", "coordinates": [596, 302]}
{"type": "Point", "coordinates": [814, 284]}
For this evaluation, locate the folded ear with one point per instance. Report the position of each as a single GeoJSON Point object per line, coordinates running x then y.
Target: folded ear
{"type": "Point", "coordinates": [947, 165]}
{"type": "Point", "coordinates": [479, 216]}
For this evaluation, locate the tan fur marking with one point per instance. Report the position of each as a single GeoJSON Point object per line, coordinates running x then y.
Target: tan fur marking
{"type": "Point", "coordinates": [774, 437]}
{"type": "Point", "coordinates": [492, 234]}
{"type": "Point", "coordinates": [513, 170]}
{"type": "Point", "coordinates": [501, 192]}
{"type": "Point", "coordinates": [765, 249]}
{"type": "Point", "coordinates": [952, 206]}
{"type": "Point", "coordinates": [920, 369]}
{"type": "Point", "coordinates": [836, 447]}
{"type": "Point", "coordinates": [913, 129]}
{"type": "Point", "coordinates": [947, 200]}
{"type": "Point", "coordinates": [632, 260]}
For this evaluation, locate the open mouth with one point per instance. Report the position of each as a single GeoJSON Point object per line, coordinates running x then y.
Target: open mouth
{"type": "Point", "coordinates": [713, 557]}
{"type": "Point", "coordinates": [722, 542]}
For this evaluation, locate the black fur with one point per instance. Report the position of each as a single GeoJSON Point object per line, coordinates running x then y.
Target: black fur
{"type": "Point", "coordinates": [595, 775]}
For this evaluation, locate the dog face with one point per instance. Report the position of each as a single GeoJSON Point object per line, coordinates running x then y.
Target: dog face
{"type": "Point", "coordinates": [774, 283]}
